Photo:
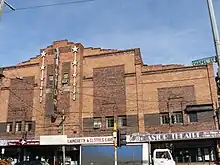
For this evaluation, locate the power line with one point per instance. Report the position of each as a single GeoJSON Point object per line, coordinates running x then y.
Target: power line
{"type": "Point", "coordinates": [130, 84]}
{"type": "Point", "coordinates": [51, 5]}
{"type": "Point", "coordinates": [126, 99]}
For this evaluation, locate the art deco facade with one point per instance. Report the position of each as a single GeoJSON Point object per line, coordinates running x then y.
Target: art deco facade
{"type": "Point", "coordinates": [96, 84]}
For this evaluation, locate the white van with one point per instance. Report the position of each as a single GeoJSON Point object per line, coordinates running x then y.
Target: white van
{"type": "Point", "coordinates": [163, 157]}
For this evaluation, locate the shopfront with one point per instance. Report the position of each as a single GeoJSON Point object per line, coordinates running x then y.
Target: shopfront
{"type": "Point", "coordinates": [190, 151]}
{"type": "Point", "coordinates": [186, 147]}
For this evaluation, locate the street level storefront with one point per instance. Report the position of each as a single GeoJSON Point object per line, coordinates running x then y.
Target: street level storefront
{"type": "Point", "coordinates": [186, 147]}
{"type": "Point", "coordinates": [18, 149]}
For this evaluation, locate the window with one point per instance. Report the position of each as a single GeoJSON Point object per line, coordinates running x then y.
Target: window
{"type": "Point", "coordinates": [97, 122]}
{"type": "Point", "coordinates": [193, 117]}
{"type": "Point", "coordinates": [164, 118]}
{"type": "Point", "coordinates": [65, 79]}
{"type": "Point", "coordinates": [50, 77]}
{"type": "Point", "coordinates": [163, 155]}
{"type": "Point", "coordinates": [65, 76]}
{"type": "Point", "coordinates": [178, 116]}
{"type": "Point", "coordinates": [109, 122]}
{"type": "Point", "coordinates": [28, 126]}
{"type": "Point", "coordinates": [122, 121]}
{"type": "Point", "coordinates": [18, 126]}
{"type": "Point", "coordinates": [9, 127]}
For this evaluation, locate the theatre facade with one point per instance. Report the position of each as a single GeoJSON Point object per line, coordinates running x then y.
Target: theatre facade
{"type": "Point", "coordinates": [165, 105]}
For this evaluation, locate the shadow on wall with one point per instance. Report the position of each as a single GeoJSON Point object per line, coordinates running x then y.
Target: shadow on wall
{"type": "Point", "coordinates": [99, 155]}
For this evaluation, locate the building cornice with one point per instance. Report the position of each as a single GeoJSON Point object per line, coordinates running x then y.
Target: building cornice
{"type": "Point", "coordinates": [118, 52]}
{"type": "Point", "coordinates": [20, 66]}
{"type": "Point", "coordinates": [178, 69]}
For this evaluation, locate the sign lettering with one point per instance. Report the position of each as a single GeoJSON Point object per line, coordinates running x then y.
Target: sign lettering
{"type": "Point", "coordinates": [172, 136]}
{"type": "Point", "coordinates": [91, 140]}
{"type": "Point", "coordinates": [204, 61]}
{"type": "Point", "coordinates": [23, 143]}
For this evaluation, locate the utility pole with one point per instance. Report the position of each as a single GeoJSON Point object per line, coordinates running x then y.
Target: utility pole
{"type": "Point", "coordinates": [215, 33]}
{"type": "Point", "coordinates": [115, 131]}
{"type": "Point", "coordinates": [216, 40]}
{"type": "Point", "coordinates": [217, 50]}
{"type": "Point", "coordinates": [63, 133]}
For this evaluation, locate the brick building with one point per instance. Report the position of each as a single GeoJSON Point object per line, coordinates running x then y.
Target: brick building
{"type": "Point", "coordinates": [96, 84]}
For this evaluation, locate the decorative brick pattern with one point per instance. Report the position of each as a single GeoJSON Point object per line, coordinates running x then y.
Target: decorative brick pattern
{"type": "Point", "coordinates": [132, 124]}
{"type": "Point", "coordinates": [109, 91]}
{"type": "Point", "coordinates": [21, 99]}
{"type": "Point", "coordinates": [175, 98]}
{"type": "Point", "coordinates": [151, 119]}
{"type": "Point", "coordinates": [205, 116]}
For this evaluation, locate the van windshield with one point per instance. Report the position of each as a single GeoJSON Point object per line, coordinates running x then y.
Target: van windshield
{"type": "Point", "coordinates": [163, 155]}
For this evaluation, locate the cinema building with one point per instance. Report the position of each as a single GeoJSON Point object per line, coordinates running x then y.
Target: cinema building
{"type": "Point", "coordinates": [163, 105]}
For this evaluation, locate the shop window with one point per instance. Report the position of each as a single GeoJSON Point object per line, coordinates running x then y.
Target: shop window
{"type": "Point", "coordinates": [97, 123]}
{"type": "Point", "coordinates": [9, 127]}
{"type": "Point", "coordinates": [178, 116]}
{"type": "Point", "coordinates": [110, 122]}
{"type": "Point", "coordinates": [193, 117]}
{"type": "Point", "coordinates": [18, 126]}
{"type": "Point", "coordinates": [164, 118]}
{"type": "Point", "coordinates": [194, 154]}
{"type": "Point", "coordinates": [122, 121]}
{"type": "Point", "coordinates": [28, 126]}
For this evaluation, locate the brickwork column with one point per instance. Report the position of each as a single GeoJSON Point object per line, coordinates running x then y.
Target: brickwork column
{"type": "Point", "coordinates": [140, 104]}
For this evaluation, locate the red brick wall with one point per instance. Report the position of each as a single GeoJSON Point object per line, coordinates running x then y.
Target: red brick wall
{"type": "Point", "coordinates": [140, 87]}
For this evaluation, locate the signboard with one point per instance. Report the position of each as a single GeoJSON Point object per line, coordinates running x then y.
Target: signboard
{"type": "Point", "coordinates": [91, 140]}
{"type": "Point", "coordinates": [3, 142]}
{"type": "Point", "coordinates": [53, 140]}
{"type": "Point", "coordinates": [204, 61]}
{"type": "Point", "coordinates": [23, 142]}
{"type": "Point", "coordinates": [133, 138]}
{"type": "Point", "coordinates": [140, 138]}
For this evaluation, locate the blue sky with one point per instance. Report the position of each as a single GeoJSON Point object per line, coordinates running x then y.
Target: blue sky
{"type": "Point", "coordinates": [167, 31]}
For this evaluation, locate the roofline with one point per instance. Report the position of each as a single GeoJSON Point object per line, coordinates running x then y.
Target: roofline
{"type": "Point", "coordinates": [20, 66]}
{"type": "Point", "coordinates": [184, 68]}
{"type": "Point", "coordinates": [110, 53]}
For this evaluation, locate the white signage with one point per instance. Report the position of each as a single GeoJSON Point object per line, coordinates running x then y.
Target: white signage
{"type": "Point", "coordinates": [91, 140]}
{"type": "Point", "coordinates": [53, 140]}
{"type": "Point", "coordinates": [3, 142]}
{"type": "Point", "coordinates": [3, 151]}
{"type": "Point", "coordinates": [172, 136]}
